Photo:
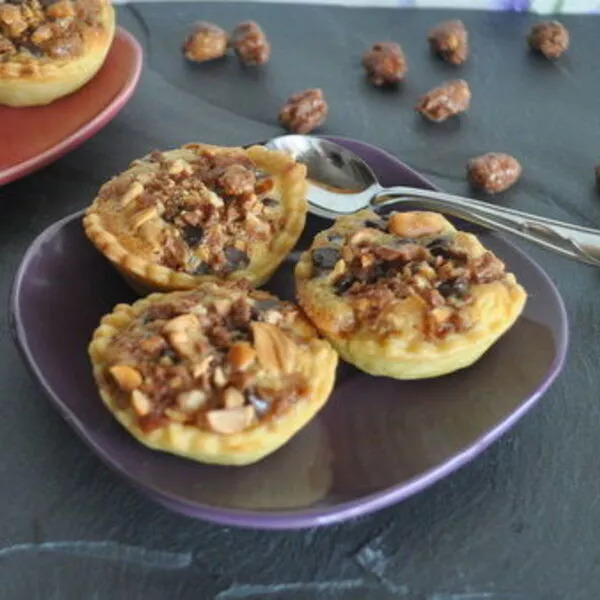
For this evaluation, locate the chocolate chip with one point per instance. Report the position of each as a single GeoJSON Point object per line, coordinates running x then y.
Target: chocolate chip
{"type": "Point", "coordinates": [440, 247]}
{"type": "Point", "coordinates": [259, 307]}
{"type": "Point", "coordinates": [31, 48]}
{"type": "Point", "coordinates": [170, 354]}
{"type": "Point", "coordinates": [344, 284]}
{"type": "Point", "coordinates": [261, 406]}
{"type": "Point", "coordinates": [380, 270]}
{"type": "Point", "coordinates": [267, 304]}
{"type": "Point", "coordinates": [325, 258]}
{"type": "Point", "coordinates": [336, 237]}
{"type": "Point", "coordinates": [454, 287]}
{"type": "Point", "coordinates": [379, 224]}
{"type": "Point", "coordinates": [237, 259]}
{"type": "Point", "coordinates": [270, 202]}
{"type": "Point", "coordinates": [202, 269]}
{"type": "Point", "coordinates": [192, 235]}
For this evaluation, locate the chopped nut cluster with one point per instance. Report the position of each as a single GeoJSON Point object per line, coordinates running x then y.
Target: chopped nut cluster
{"type": "Point", "coordinates": [549, 38]}
{"type": "Point", "coordinates": [32, 29]}
{"type": "Point", "coordinates": [215, 360]}
{"type": "Point", "coordinates": [206, 42]}
{"type": "Point", "coordinates": [200, 215]}
{"type": "Point", "coordinates": [447, 100]}
{"type": "Point", "coordinates": [250, 43]}
{"type": "Point", "coordinates": [450, 41]}
{"type": "Point", "coordinates": [304, 111]}
{"type": "Point", "coordinates": [493, 172]}
{"type": "Point", "coordinates": [386, 261]}
{"type": "Point", "coordinates": [384, 63]}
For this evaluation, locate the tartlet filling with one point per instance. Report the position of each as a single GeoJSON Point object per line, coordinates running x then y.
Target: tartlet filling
{"type": "Point", "coordinates": [37, 29]}
{"type": "Point", "coordinates": [201, 214]}
{"type": "Point", "coordinates": [373, 267]}
{"type": "Point", "coordinates": [220, 362]}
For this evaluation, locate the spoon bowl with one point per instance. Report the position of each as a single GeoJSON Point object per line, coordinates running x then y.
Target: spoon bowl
{"type": "Point", "coordinates": [340, 183]}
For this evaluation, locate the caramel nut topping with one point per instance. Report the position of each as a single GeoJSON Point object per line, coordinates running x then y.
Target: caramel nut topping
{"type": "Point", "coordinates": [195, 210]}
{"type": "Point", "coordinates": [416, 255]}
{"type": "Point", "coordinates": [31, 30]}
{"type": "Point", "coordinates": [250, 43]}
{"type": "Point", "coordinates": [449, 40]}
{"type": "Point", "coordinates": [549, 38]}
{"type": "Point", "coordinates": [493, 172]}
{"type": "Point", "coordinates": [304, 111]}
{"type": "Point", "coordinates": [384, 63]}
{"type": "Point", "coordinates": [206, 42]}
{"type": "Point", "coordinates": [192, 357]}
{"type": "Point", "coordinates": [444, 101]}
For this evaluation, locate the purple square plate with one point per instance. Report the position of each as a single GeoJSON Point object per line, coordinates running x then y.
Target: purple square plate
{"type": "Point", "coordinates": [376, 442]}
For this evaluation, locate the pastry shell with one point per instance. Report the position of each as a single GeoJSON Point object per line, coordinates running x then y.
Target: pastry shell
{"type": "Point", "coordinates": [146, 275]}
{"type": "Point", "coordinates": [316, 361]}
{"type": "Point", "coordinates": [395, 344]}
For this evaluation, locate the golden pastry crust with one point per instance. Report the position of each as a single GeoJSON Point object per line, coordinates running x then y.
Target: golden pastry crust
{"type": "Point", "coordinates": [177, 218]}
{"type": "Point", "coordinates": [407, 297]}
{"type": "Point", "coordinates": [218, 374]}
{"type": "Point", "coordinates": [52, 49]}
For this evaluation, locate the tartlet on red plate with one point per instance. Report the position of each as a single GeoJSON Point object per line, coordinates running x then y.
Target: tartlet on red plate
{"type": "Point", "coordinates": [34, 136]}
{"type": "Point", "coordinates": [50, 49]}
{"type": "Point", "coordinates": [176, 218]}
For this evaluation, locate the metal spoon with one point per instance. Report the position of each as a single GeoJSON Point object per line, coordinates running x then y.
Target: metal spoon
{"type": "Point", "coordinates": [340, 183]}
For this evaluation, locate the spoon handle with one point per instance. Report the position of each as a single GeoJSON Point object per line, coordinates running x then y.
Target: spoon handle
{"type": "Point", "coordinates": [572, 241]}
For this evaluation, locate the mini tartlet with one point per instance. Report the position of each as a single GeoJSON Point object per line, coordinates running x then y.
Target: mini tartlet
{"type": "Point", "coordinates": [50, 49]}
{"type": "Point", "coordinates": [177, 218]}
{"type": "Point", "coordinates": [406, 296]}
{"type": "Point", "coordinates": [219, 374]}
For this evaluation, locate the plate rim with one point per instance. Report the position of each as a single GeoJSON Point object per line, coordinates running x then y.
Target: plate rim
{"type": "Point", "coordinates": [302, 518]}
{"type": "Point", "coordinates": [88, 129]}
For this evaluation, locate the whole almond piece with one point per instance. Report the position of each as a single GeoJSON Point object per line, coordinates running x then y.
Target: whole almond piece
{"type": "Point", "coordinates": [230, 420]}
{"type": "Point", "coordinates": [127, 377]}
{"type": "Point", "coordinates": [275, 350]}
{"type": "Point", "coordinates": [415, 224]}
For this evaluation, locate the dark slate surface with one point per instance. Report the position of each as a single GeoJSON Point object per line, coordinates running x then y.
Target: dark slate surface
{"type": "Point", "coordinates": [519, 523]}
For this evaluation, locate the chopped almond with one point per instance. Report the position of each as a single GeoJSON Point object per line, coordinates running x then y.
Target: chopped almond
{"type": "Point", "coordinates": [140, 402]}
{"type": "Point", "coordinates": [241, 356]}
{"type": "Point", "coordinates": [232, 398]}
{"type": "Point", "coordinates": [127, 377]}
{"type": "Point", "coordinates": [415, 224]}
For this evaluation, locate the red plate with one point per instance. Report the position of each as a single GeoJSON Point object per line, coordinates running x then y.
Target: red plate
{"type": "Point", "coordinates": [32, 137]}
